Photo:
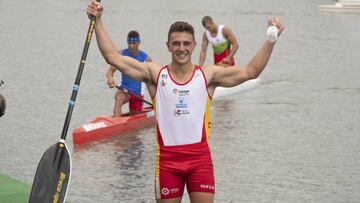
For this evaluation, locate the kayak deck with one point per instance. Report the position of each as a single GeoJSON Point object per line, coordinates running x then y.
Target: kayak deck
{"type": "Point", "coordinates": [107, 126]}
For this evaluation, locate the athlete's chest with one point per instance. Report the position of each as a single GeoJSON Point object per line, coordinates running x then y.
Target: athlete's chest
{"type": "Point", "coordinates": [181, 100]}
{"type": "Point", "coordinates": [180, 95]}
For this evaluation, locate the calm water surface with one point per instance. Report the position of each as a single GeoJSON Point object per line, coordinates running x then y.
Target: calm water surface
{"type": "Point", "coordinates": [293, 139]}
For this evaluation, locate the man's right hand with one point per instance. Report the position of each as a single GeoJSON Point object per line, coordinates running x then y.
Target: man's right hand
{"type": "Point", "coordinates": [111, 82]}
{"type": "Point", "coordinates": [276, 22]}
{"type": "Point", "coordinates": [110, 77]}
{"type": "Point", "coordinates": [94, 9]}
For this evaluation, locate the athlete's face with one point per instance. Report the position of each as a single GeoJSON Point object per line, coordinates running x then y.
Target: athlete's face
{"type": "Point", "coordinates": [181, 45]}
{"type": "Point", "coordinates": [133, 47]}
{"type": "Point", "coordinates": [210, 26]}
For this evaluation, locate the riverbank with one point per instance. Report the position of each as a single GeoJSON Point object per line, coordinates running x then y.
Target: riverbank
{"type": "Point", "coordinates": [13, 190]}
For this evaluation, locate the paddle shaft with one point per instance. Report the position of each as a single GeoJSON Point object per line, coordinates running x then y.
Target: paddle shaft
{"type": "Point", "coordinates": [135, 95]}
{"type": "Point", "coordinates": [78, 78]}
{"type": "Point", "coordinates": [53, 173]}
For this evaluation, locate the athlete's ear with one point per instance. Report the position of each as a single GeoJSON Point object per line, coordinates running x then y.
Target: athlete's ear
{"type": "Point", "coordinates": [168, 46]}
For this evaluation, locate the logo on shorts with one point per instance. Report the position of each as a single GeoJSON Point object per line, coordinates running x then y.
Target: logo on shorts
{"type": "Point", "coordinates": [204, 186]}
{"type": "Point", "coordinates": [165, 191]}
{"type": "Point", "coordinates": [174, 190]}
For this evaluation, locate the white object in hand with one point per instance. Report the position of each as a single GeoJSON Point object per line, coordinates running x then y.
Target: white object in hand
{"type": "Point", "coordinates": [272, 34]}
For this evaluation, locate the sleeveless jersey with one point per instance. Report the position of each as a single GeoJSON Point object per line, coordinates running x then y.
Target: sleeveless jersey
{"type": "Point", "coordinates": [182, 110]}
{"type": "Point", "coordinates": [219, 42]}
{"type": "Point", "coordinates": [221, 46]}
{"type": "Point", "coordinates": [129, 84]}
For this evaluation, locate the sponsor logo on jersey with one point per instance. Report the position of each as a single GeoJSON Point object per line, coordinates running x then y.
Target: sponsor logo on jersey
{"type": "Point", "coordinates": [181, 92]}
{"type": "Point", "coordinates": [164, 76]}
{"type": "Point", "coordinates": [181, 103]}
{"type": "Point", "coordinates": [179, 112]}
{"type": "Point", "coordinates": [163, 83]}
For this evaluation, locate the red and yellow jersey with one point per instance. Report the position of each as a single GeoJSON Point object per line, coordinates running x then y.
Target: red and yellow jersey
{"type": "Point", "coordinates": [183, 128]}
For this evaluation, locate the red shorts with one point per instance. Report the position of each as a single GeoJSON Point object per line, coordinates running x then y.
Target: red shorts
{"type": "Point", "coordinates": [219, 57]}
{"type": "Point", "coordinates": [135, 104]}
{"type": "Point", "coordinates": [185, 164]}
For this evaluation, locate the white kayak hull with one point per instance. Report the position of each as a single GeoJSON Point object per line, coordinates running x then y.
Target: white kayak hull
{"type": "Point", "coordinates": [222, 92]}
{"type": "Point", "coordinates": [342, 6]}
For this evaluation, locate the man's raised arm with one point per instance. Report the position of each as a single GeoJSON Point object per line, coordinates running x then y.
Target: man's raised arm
{"type": "Point", "coordinates": [131, 67]}
{"type": "Point", "coordinates": [229, 77]}
{"type": "Point", "coordinates": [258, 63]}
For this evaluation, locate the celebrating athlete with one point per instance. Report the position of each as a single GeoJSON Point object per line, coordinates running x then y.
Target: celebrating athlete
{"type": "Point", "coordinates": [181, 92]}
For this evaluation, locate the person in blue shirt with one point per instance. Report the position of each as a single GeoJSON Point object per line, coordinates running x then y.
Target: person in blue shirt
{"type": "Point", "coordinates": [136, 87]}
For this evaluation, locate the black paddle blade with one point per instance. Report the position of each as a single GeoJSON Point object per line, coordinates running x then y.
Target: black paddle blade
{"type": "Point", "coordinates": [52, 176]}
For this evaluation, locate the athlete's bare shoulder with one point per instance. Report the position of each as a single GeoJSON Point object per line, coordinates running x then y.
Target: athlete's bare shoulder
{"type": "Point", "coordinates": [153, 66]}
{"type": "Point", "coordinates": [209, 72]}
{"type": "Point", "coordinates": [154, 69]}
{"type": "Point", "coordinates": [227, 32]}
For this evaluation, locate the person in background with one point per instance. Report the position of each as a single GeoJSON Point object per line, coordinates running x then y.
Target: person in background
{"type": "Point", "coordinates": [127, 84]}
{"type": "Point", "coordinates": [222, 40]}
{"type": "Point", "coordinates": [181, 92]}
{"type": "Point", "coordinates": [2, 105]}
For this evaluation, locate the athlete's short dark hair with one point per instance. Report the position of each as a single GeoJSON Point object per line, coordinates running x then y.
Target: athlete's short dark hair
{"type": "Point", "coordinates": [206, 19]}
{"type": "Point", "coordinates": [181, 26]}
{"type": "Point", "coordinates": [133, 33]}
